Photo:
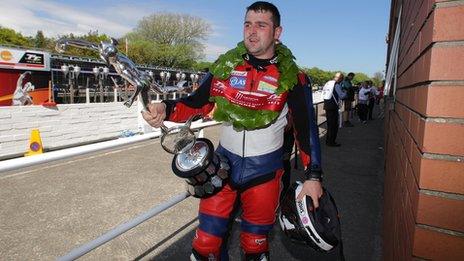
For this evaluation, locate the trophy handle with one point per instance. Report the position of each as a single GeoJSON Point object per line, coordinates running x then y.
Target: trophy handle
{"type": "Point", "coordinates": [192, 118]}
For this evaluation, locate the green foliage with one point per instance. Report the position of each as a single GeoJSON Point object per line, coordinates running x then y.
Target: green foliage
{"type": "Point", "coordinates": [245, 118]}
{"type": "Point", "coordinates": [241, 117]}
{"type": "Point", "coordinates": [40, 41]}
{"type": "Point", "coordinates": [10, 36]}
{"type": "Point", "coordinates": [174, 40]}
{"type": "Point", "coordinates": [359, 78]}
{"type": "Point", "coordinates": [318, 76]}
{"type": "Point", "coordinates": [202, 66]}
{"type": "Point", "coordinates": [377, 79]}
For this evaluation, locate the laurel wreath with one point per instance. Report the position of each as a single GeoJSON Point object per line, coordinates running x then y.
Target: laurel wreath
{"type": "Point", "coordinates": [245, 118]}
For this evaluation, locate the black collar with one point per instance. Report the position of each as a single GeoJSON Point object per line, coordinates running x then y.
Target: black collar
{"type": "Point", "coordinates": [259, 64]}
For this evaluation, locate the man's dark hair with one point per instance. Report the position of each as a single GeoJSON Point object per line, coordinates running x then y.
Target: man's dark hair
{"type": "Point", "coordinates": [262, 6]}
{"type": "Point", "coordinates": [351, 74]}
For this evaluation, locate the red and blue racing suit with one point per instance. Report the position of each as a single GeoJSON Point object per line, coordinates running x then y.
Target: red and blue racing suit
{"type": "Point", "coordinates": [255, 156]}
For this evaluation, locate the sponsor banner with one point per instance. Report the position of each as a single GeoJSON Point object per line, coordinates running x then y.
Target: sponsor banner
{"type": "Point", "coordinates": [251, 100]}
{"type": "Point", "coordinates": [11, 58]}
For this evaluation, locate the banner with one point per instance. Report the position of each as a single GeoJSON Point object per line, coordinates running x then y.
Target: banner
{"type": "Point", "coordinates": [11, 58]}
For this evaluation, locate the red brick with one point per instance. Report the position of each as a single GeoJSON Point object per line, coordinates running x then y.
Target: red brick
{"type": "Point", "coordinates": [447, 63]}
{"type": "Point", "coordinates": [427, 33]}
{"type": "Point", "coordinates": [442, 175]}
{"type": "Point", "coordinates": [416, 162]}
{"type": "Point", "coordinates": [420, 99]}
{"type": "Point", "coordinates": [441, 100]}
{"type": "Point", "coordinates": [449, 22]}
{"type": "Point", "coordinates": [420, 133]}
{"type": "Point", "coordinates": [444, 138]}
{"type": "Point", "coordinates": [441, 212]}
{"type": "Point", "coordinates": [413, 188]}
{"type": "Point", "coordinates": [432, 245]}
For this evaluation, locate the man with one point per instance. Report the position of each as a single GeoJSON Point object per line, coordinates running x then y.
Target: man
{"type": "Point", "coordinates": [333, 94]}
{"type": "Point", "coordinates": [372, 98]}
{"type": "Point", "coordinates": [254, 87]}
{"type": "Point", "coordinates": [347, 86]}
{"type": "Point", "coordinates": [363, 100]}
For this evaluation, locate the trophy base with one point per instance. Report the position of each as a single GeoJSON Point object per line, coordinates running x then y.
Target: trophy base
{"type": "Point", "coordinates": [205, 171]}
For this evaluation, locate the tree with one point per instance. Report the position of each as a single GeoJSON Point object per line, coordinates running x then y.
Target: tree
{"type": "Point", "coordinates": [174, 39]}
{"type": "Point", "coordinates": [318, 76]}
{"type": "Point", "coordinates": [202, 66]}
{"type": "Point", "coordinates": [10, 36]}
{"type": "Point", "coordinates": [359, 78]}
{"type": "Point", "coordinates": [377, 78]}
{"type": "Point", "coordinates": [40, 41]}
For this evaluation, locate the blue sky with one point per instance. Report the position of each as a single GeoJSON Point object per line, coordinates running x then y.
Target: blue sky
{"type": "Point", "coordinates": [346, 35]}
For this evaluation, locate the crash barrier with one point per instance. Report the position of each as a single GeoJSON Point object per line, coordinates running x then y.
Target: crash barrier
{"type": "Point", "coordinates": [117, 231]}
{"type": "Point", "coordinates": [17, 163]}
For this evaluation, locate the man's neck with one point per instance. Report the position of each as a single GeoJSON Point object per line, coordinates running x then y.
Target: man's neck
{"type": "Point", "coordinates": [259, 64]}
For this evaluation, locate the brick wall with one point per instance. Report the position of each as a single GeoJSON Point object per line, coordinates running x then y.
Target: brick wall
{"type": "Point", "coordinates": [424, 177]}
{"type": "Point", "coordinates": [63, 126]}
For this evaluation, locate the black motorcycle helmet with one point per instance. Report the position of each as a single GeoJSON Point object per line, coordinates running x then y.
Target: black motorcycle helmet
{"type": "Point", "coordinates": [317, 228]}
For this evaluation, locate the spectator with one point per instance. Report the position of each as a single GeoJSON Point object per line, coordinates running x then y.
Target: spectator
{"type": "Point", "coordinates": [333, 94]}
{"type": "Point", "coordinates": [347, 86]}
{"type": "Point", "coordinates": [373, 93]}
{"type": "Point", "coordinates": [363, 99]}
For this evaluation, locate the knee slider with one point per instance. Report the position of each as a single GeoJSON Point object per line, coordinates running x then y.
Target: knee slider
{"type": "Point", "coordinates": [254, 243]}
{"type": "Point", "coordinates": [206, 245]}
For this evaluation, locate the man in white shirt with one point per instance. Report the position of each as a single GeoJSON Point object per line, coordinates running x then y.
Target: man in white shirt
{"type": "Point", "coordinates": [333, 94]}
{"type": "Point", "coordinates": [363, 99]}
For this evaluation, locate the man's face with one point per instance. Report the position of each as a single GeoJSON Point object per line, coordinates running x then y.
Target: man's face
{"type": "Point", "coordinates": [259, 34]}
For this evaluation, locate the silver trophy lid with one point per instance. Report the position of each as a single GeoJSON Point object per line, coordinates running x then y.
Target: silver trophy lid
{"type": "Point", "coordinates": [197, 156]}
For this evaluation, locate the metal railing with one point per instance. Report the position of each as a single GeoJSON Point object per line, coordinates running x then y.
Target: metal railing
{"type": "Point", "coordinates": [17, 163]}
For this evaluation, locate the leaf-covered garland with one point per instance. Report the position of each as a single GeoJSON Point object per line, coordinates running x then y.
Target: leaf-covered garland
{"type": "Point", "coordinates": [241, 117]}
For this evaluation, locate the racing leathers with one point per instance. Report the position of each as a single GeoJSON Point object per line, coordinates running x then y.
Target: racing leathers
{"type": "Point", "coordinates": [255, 156]}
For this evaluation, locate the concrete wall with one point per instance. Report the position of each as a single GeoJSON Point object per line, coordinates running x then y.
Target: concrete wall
{"type": "Point", "coordinates": [68, 125]}
{"type": "Point", "coordinates": [63, 126]}
{"type": "Point", "coordinates": [424, 179]}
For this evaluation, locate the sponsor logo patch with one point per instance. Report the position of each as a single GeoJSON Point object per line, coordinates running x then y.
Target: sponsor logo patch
{"type": "Point", "coordinates": [237, 82]}
{"type": "Point", "coordinates": [269, 78]}
{"type": "Point", "coordinates": [6, 55]}
{"type": "Point", "coordinates": [238, 73]}
{"type": "Point", "coordinates": [304, 220]}
{"type": "Point", "coordinates": [266, 87]}
{"type": "Point", "coordinates": [260, 241]}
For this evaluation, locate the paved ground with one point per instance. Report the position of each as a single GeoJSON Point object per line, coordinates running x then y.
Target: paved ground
{"type": "Point", "coordinates": [48, 210]}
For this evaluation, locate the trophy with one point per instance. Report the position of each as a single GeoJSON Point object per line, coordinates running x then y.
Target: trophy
{"type": "Point", "coordinates": [195, 159]}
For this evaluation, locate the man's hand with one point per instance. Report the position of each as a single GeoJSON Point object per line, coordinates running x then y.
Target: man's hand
{"type": "Point", "coordinates": [313, 189]}
{"type": "Point", "coordinates": [155, 114]}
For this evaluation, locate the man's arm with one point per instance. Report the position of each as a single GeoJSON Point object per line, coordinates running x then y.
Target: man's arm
{"type": "Point", "coordinates": [300, 103]}
{"type": "Point", "coordinates": [197, 103]}
{"type": "Point", "coordinates": [182, 109]}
